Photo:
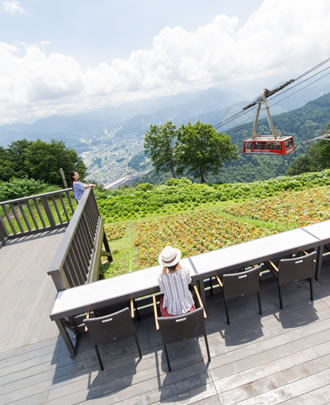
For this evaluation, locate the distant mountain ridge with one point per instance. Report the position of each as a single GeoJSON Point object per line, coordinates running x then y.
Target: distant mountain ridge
{"type": "Point", "coordinates": [110, 138]}
{"type": "Point", "coordinates": [77, 131]}
{"type": "Point", "coordinates": [303, 124]}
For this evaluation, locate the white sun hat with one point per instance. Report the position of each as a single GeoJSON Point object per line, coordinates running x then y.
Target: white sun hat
{"type": "Point", "coordinates": [169, 257]}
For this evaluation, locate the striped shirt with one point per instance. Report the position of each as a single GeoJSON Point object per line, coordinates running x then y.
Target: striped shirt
{"type": "Point", "coordinates": [78, 190]}
{"type": "Point", "coordinates": [177, 297]}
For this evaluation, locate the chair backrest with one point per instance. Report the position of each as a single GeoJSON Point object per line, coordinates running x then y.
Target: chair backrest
{"type": "Point", "coordinates": [109, 327]}
{"type": "Point", "coordinates": [297, 268]}
{"type": "Point", "coordinates": [242, 283]}
{"type": "Point", "coordinates": [174, 328]}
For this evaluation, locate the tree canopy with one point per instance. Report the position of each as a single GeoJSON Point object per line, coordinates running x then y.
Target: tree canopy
{"type": "Point", "coordinates": [316, 158]}
{"type": "Point", "coordinates": [40, 161]}
{"type": "Point", "coordinates": [194, 149]}
{"type": "Point", "coordinates": [159, 145]}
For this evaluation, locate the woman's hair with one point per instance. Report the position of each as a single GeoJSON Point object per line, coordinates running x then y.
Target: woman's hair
{"type": "Point", "coordinates": [71, 176]}
{"type": "Point", "coordinates": [172, 268]}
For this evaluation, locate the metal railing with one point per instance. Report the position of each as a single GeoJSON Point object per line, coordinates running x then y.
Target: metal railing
{"type": "Point", "coordinates": [78, 259]}
{"type": "Point", "coordinates": [34, 214]}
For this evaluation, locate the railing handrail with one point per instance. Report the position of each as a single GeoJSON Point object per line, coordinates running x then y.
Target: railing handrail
{"type": "Point", "coordinates": [69, 234]}
{"type": "Point", "coordinates": [30, 197]}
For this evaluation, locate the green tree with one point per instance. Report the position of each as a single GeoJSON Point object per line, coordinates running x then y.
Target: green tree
{"type": "Point", "coordinates": [46, 159]}
{"type": "Point", "coordinates": [17, 151]}
{"type": "Point", "coordinates": [41, 161]}
{"type": "Point", "coordinates": [159, 145]}
{"type": "Point", "coordinates": [201, 149]}
{"type": "Point", "coordinates": [316, 158]}
{"type": "Point", "coordinates": [6, 167]}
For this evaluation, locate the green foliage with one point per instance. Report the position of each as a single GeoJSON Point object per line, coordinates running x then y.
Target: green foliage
{"type": "Point", "coordinates": [144, 187]}
{"type": "Point", "coordinates": [17, 188]}
{"type": "Point", "coordinates": [159, 146]}
{"type": "Point", "coordinates": [6, 167]}
{"type": "Point", "coordinates": [40, 160]}
{"type": "Point", "coordinates": [177, 195]}
{"type": "Point", "coordinates": [183, 181]}
{"type": "Point", "coordinates": [194, 149]}
{"type": "Point", "coordinates": [317, 157]}
{"type": "Point", "coordinates": [200, 149]}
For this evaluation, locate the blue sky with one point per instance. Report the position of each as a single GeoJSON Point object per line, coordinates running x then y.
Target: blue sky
{"type": "Point", "coordinates": [94, 31]}
{"type": "Point", "coordinates": [68, 56]}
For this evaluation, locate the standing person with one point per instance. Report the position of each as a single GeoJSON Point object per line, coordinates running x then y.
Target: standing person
{"type": "Point", "coordinates": [173, 282]}
{"type": "Point", "coordinates": [78, 186]}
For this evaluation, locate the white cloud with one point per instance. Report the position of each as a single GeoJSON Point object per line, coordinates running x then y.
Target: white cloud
{"type": "Point", "coordinates": [12, 7]}
{"type": "Point", "coordinates": [281, 39]}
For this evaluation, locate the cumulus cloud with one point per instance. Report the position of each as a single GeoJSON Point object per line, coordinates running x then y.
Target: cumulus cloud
{"type": "Point", "coordinates": [281, 39]}
{"type": "Point", "coordinates": [12, 7]}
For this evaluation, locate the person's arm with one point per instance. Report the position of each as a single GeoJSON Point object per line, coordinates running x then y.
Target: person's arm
{"type": "Point", "coordinates": [89, 185]}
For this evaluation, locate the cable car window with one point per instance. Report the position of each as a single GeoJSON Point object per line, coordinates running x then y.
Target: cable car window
{"type": "Point", "coordinates": [248, 145]}
{"type": "Point", "coordinates": [268, 145]}
{"type": "Point", "coordinates": [276, 145]}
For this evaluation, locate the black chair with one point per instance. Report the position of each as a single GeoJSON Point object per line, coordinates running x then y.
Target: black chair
{"type": "Point", "coordinates": [294, 269]}
{"type": "Point", "coordinates": [237, 284]}
{"type": "Point", "coordinates": [176, 328]}
{"type": "Point", "coordinates": [107, 328]}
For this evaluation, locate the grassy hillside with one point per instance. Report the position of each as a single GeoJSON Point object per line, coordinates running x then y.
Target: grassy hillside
{"type": "Point", "coordinates": [198, 218]}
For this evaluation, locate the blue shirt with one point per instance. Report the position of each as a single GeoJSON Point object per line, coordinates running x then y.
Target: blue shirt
{"type": "Point", "coordinates": [78, 189]}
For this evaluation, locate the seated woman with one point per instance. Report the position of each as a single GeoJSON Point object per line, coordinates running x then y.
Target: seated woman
{"type": "Point", "coordinates": [173, 282]}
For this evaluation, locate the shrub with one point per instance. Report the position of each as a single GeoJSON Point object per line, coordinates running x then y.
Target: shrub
{"type": "Point", "coordinates": [17, 188]}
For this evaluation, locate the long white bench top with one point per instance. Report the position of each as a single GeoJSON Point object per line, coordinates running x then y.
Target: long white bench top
{"type": "Point", "coordinates": [320, 231]}
{"type": "Point", "coordinates": [253, 251]}
{"type": "Point", "coordinates": [101, 293]}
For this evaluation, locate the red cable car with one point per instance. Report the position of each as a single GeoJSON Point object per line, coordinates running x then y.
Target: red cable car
{"type": "Point", "coordinates": [269, 145]}
{"type": "Point", "coordinates": [273, 144]}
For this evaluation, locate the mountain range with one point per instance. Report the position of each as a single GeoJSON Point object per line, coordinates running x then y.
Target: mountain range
{"type": "Point", "coordinates": [109, 138]}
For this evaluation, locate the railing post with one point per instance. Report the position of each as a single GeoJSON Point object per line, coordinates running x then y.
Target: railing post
{"type": "Point", "coordinates": [48, 212]}
{"type": "Point", "coordinates": [3, 233]}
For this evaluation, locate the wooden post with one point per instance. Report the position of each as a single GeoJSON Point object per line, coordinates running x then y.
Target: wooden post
{"type": "Point", "coordinates": [63, 178]}
{"type": "Point", "coordinates": [3, 233]}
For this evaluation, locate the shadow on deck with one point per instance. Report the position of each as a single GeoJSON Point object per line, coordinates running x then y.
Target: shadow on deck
{"type": "Point", "coordinates": [281, 356]}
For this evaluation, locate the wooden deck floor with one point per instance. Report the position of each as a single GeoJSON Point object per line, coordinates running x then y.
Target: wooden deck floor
{"type": "Point", "coordinates": [282, 357]}
{"type": "Point", "coordinates": [27, 293]}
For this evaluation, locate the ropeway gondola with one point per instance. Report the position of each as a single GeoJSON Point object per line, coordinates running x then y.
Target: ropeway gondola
{"type": "Point", "coordinates": [274, 144]}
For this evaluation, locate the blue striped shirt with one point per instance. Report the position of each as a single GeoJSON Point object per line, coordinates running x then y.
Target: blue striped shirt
{"type": "Point", "coordinates": [78, 190]}
{"type": "Point", "coordinates": [177, 296]}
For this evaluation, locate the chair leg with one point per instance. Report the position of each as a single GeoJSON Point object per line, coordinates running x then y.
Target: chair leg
{"type": "Point", "coordinates": [136, 311]}
{"type": "Point", "coordinates": [311, 288]}
{"type": "Point", "coordinates": [259, 303]}
{"type": "Point", "coordinates": [280, 295]}
{"type": "Point", "coordinates": [211, 285]}
{"type": "Point", "coordinates": [99, 357]}
{"type": "Point", "coordinates": [207, 347]}
{"type": "Point", "coordinates": [167, 358]}
{"type": "Point", "coordinates": [138, 346]}
{"type": "Point", "coordinates": [226, 310]}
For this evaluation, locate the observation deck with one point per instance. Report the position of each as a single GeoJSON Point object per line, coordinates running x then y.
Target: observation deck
{"type": "Point", "coordinates": [281, 356]}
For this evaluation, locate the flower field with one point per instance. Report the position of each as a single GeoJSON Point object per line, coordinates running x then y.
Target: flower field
{"type": "Point", "coordinates": [115, 231]}
{"type": "Point", "coordinates": [137, 243]}
{"type": "Point", "coordinates": [295, 209]}
{"type": "Point", "coordinates": [192, 233]}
